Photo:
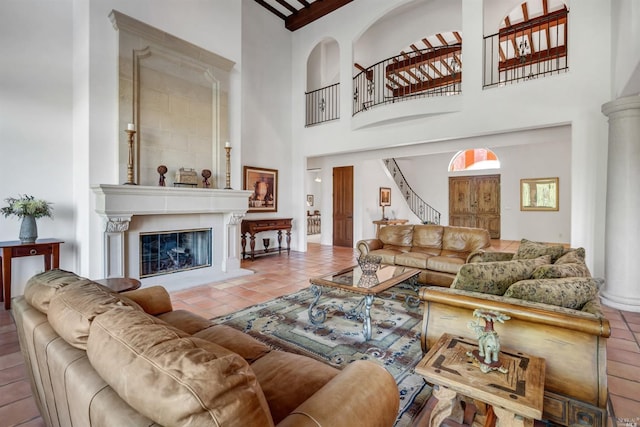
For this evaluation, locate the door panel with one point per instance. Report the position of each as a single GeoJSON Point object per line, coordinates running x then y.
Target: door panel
{"type": "Point", "coordinates": [474, 201]}
{"type": "Point", "coordinates": [343, 206]}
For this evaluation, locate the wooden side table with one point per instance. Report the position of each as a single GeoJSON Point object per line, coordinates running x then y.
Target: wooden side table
{"type": "Point", "coordinates": [120, 284]}
{"type": "Point", "coordinates": [516, 397]}
{"type": "Point", "coordinates": [382, 222]}
{"type": "Point", "coordinates": [50, 248]}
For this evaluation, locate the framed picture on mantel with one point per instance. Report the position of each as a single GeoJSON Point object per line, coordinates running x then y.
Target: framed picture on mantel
{"type": "Point", "coordinates": [264, 184]}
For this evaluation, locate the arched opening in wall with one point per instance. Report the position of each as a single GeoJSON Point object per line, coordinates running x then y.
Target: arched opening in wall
{"type": "Point", "coordinates": [323, 83]}
{"type": "Point", "coordinates": [474, 159]}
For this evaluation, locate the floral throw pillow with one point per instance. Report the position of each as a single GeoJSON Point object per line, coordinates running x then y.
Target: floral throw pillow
{"type": "Point", "coordinates": [495, 277]}
{"type": "Point", "coordinates": [572, 256]}
{"type": "Point", "coordinates": [556, 271]}
{"type": "Point", "coordinates": [531, 250]}
{"type": "Point", "coordinates": [569, 292]}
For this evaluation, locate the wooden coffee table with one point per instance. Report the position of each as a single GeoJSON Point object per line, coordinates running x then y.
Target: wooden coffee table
{"type": "Point", "coordinates": [516, 397]}
{"type": "Point", "coordinates": [351, 279]}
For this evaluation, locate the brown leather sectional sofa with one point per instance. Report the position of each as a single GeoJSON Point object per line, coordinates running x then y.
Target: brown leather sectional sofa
{"type": "Point", "coordinates": [99, 358]}
{"type": "Point", "coordinates": [439, 251]}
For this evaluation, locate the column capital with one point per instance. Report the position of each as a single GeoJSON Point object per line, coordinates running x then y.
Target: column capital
{"type": "Point", "coordinates": [118, 224]}
{"type": "Point", "coordinates": [621, 104]}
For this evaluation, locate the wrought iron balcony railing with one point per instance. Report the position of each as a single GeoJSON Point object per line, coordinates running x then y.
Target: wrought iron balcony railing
{"type": "Point", "coordinates": [531, 49]}
{"type": "Point", "coordinates": [323, 105]}
{"type": "Point", "coordinates": [424, 73]}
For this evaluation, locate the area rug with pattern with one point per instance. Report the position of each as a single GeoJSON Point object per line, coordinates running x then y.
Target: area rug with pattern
{"type": "Point", "coordinates": [283, 324]}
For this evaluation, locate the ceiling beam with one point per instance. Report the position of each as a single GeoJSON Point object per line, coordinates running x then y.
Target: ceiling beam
{"type": "Point", "coordinates": [287, 6]}
{"type": "Point", "coordinates": [271, 9]}
{"type": "Point", "coordinates": [315, 10]}
{"type": "Point", "coordinates": [427, 85]}
{"type": "Point", "coordinates": [427, 57]}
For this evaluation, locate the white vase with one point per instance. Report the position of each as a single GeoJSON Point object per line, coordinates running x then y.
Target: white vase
{"type": "Point", "coordinates": [28, 230]}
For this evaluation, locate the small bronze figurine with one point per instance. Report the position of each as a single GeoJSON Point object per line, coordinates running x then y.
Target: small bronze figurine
{"type": "Point", "coordinates": [206, 174]}
{"type": "Point", "coordinates": [162, 169]}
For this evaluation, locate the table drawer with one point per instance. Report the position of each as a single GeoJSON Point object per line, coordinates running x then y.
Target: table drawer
{"type": "Point", "coordinates": [30, 250]}
{"type": "Point", "coordinates": [568, 412]}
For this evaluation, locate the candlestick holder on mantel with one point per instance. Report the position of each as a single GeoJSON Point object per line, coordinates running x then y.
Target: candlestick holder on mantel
{"type": "Point", "coordinates": [227, 148]}
{"type": "Point", "coordinates": [131, 131]}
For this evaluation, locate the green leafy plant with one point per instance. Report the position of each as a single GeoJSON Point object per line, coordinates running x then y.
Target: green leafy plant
{"type": "Point", "coordinates": [27, 206]}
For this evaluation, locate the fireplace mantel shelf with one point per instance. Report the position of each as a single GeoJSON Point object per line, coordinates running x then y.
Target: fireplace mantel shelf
{"type": "Point", "coordinates": [128, 200]}
{"type": "Point", "coordinates": [222, 210]}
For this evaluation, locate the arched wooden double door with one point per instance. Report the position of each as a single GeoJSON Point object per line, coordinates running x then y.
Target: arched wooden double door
{"type": "Point", "coordinates": [474, 201]}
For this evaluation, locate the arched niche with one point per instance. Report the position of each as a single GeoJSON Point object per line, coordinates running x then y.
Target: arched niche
{"type": "Point", "coordinates": [323, 65]}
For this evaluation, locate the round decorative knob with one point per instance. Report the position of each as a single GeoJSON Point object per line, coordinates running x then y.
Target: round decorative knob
{"type": "Point", "coordinates": [33, 252]}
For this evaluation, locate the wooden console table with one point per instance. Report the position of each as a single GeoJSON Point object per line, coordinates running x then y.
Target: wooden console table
{"type": "Point", "coordinates": [254, 226]}
{"type": "Point", "coordinates": [50, 248]}
{"type": "Point", "coordinates": [516, 396]}
{"type": "Point", "coordinates": [383, 222]}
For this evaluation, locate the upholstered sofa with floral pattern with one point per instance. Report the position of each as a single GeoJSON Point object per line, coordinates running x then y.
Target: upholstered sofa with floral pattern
{"type": "Point", "coordinates": [555, 313]}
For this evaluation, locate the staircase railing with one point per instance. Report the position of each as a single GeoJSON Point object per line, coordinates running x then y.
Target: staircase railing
{"type": "Point", "coordinates": [424, 211]}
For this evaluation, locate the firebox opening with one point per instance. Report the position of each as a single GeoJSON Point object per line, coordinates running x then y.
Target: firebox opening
{"type": "Point", "coordinates": [173, 251]}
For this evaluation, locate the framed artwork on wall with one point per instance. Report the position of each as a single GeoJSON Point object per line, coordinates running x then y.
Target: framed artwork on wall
{"type": "Point", "coordinates": [264, 184]}
{"type": "Point", "coordinates": [385, 196]}
{"type": "Point", "coordinates": [309, 199]}
{"type": "Point", "coordinates": [539, 194]}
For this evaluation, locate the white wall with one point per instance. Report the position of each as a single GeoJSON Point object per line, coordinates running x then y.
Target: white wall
{"type": "Point", "coordinates": [625, 48]}
{"type": "Point", "coordinates": [36, 131]}
{"type": "Point", "coordinates": [266, 108]}
{"type": "Point", "coordinates": [529, 154]}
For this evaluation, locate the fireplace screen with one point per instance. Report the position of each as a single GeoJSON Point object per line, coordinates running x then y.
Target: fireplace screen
{"type": "Point", "coordinates": [173, 251]}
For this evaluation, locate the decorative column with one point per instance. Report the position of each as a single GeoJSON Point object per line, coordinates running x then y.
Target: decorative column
{"type": "Point", "coordinates": [231, 255]}
{"type": "Point", "coordinates": [622, 245]}
{"type": "Point", "coordinates": [114, 250]}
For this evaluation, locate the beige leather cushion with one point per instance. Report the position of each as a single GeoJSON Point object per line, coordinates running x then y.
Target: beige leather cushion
{"type": "Point", "coordinates": [172, 377]}
{"type": "Point", "coordinates": [464, 239]}
{"type": "Point", "coordinates": [186, 321]}
{"type": "Point", "coordinates": [73, 308]}
{"type": "Point", "coordinates": [43, 286]}
{"type": "Point", "coordinates": [412, 259]}
{"type": "Point", "coordinates": [232, 339]}
{"type": "Point", "coordinates": [445, 264]}
{"type": "Point", "coordinates": [427, 239]}
{"type": "Point", "coordinates": [289, 379]}
{"type": "Point", "coordinates": [396, 236]}
{"type": "Point", "coordinates": [388, 256]}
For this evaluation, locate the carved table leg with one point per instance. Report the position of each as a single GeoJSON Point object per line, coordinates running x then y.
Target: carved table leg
{"type": "Point", "coordinates": [320, 315]}
{"type": "Point", "coordinates": [507, 418]}
{"type": "Point", "coordinates": [252, 245]}
{"type": "Point", "coordinates": [448, 406]}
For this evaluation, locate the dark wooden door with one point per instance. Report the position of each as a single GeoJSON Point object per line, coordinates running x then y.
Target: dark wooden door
{"type": "Point", "coordinates": [474, 201]}
{"type": "Point", "coordinates": [343, 206]}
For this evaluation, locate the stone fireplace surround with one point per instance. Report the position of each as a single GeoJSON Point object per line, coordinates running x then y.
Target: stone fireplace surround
{"type": "Point", "coordinates": [129, 210]}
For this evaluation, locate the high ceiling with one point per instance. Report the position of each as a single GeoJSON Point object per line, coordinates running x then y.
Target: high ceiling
{"type": "Point", "coordinates": [298, 13]}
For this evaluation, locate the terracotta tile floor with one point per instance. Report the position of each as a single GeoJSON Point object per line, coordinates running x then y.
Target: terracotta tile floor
{"type": "Point", "coordinates": [280, 275]}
